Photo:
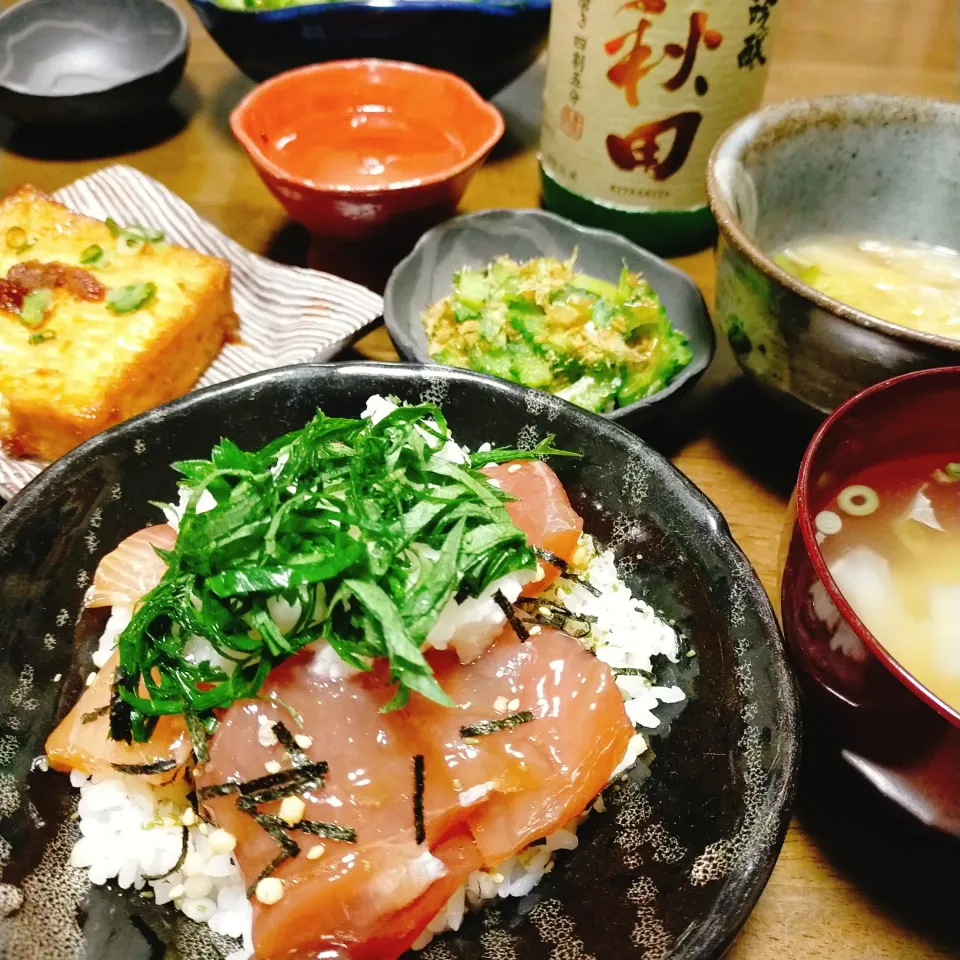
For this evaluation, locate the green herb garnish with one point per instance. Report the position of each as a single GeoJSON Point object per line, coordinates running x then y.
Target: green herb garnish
{"type": "Point", "coordinates": [134, 238]}
{"type": "Point", "coordinates": [485, 727]}
{"type": "Point", "coordinates": [952, 470]}
{"type": "Point", "coordinates": [17, 240]}
{"type": "Point", "coordinates": [363, 529]}
{"type": "Point", "coordinates": [418, 786]}
{"type": "Point", "coordinates": [198, 736]}
{"type": "Point", "coordinates": [92, 256]}
{"type": "Point", "coordinates": [132, 297]}
{"type": "Point", "coordinates": [42, 336]}
{"type": "Point", "coordinates": [35, 307]}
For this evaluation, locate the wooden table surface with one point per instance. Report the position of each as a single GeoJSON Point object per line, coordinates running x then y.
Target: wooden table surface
{"type": "Point", "coordinates": [854, 881]}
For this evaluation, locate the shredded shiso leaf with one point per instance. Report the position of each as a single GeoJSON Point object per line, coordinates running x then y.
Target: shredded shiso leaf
{"type": "Point", "coordinates": [363, 528]}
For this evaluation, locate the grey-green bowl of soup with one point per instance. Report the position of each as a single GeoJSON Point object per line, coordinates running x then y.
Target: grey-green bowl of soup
{"type": "Point", "coordinates": [837, 265]}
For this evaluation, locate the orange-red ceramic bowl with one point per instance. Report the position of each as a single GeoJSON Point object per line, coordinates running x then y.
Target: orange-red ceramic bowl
{"type": "Point", "coordinates": [356, 146]}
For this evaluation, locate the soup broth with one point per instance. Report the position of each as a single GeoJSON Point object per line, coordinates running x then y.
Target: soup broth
{"type": "Point", "coordinates": [891, 540]}
{"type": "Point", "coordinates": [910, 284]}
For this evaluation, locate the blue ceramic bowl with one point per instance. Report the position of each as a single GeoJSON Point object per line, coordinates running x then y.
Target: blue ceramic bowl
{"type": "Point", "coordinates": [485, 42]}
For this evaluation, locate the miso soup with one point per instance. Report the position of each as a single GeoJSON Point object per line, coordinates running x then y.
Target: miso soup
{"type": "Point", "coordinates": [910, 284]}
{"type": "Point", "coordinates": [891, 540]}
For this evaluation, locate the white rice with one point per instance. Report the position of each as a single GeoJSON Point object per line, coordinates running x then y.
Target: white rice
{"type": "Point", "coordinates": [131, 831]}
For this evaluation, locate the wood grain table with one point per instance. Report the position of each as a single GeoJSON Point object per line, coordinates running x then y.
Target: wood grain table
{"type": "Point", "coordinates": [854, 881]}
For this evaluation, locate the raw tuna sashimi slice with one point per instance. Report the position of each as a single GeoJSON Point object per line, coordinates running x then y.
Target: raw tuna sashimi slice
{"type": "Point", "coordinates": [542, 511]}
{"type": "Point", "coordinates": [488, 795]}
{"type": "Point", "coordinates": [125, 574]}
{"type": "Point", "coordinates": [75, 745]}
{"type": "Point", "coordinates": [579, 734]}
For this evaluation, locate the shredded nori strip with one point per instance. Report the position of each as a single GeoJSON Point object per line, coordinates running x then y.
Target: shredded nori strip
{"type": "Point", "coordinates": [268, 869]}
{"type": "Point", "coordinates": [331, 831]}
{"type": "Point", "coordinates": [218, 790]}
{"type": "Point", "coordinates": [631, 672]}
{"type": "Point", "coordinates": [508, 611]}
{"type": "Point", "coordinates": [580, 582]}
{"type": "Point", "coordinates": [286, 783]}
{"type": "Point", "coordinates": [564, 569]}
{"type": "Point", "coordinates": [418, 785]}
{"type": "Point", "coordinates": [557, 616]}
{"type": "Point", "coordinates": [95, 714]}
{"type": "Point", "coordinates": [484, 727]}
{"type": "Point", "coordinates": [184, 846]}
{"type": "Point", "coordinates": [550, 557]}
{"type": "Point", "coordinates": [198, 736]}
{"type": "Point", "coordinates": [121, 715]}
{"type": "Point", "coordinates": [145, 769]}
{"type": "Point", "coordinates": [273, 826]}
{"type": "Point", "coordinates": [297, 757]}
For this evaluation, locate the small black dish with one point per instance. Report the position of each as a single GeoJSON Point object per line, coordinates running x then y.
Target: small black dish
{"type": "Point", "coordinates": [89, 62]}
{"type": "Point", "coordinates": [474, 240]}
{"type": "Point", "coordinates": [687, 842]}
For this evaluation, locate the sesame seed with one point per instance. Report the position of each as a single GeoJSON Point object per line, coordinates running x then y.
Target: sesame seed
{"type": "Point", "coordinates": [500, 704]}
{"type": "Point", "coordinates": [535, 629]}
{"type": "Point", "coordinates": [541, 573]}
{"type": "Point", "coordinates": [494, 482]}
{"type": "Point", "coordinates": [544, 611]}
{"type": "Point", "coordinates": [91, 678]}
{"type": "Point", "coordinates": [188, 818]}
{"type": "Point", "coordinates": [272, 766]}
{"type": "Point", "coordinates": [292, 810]}
{"type": "Point", "coordinates": [316, 851]}
{"type": "Point", "coordinates": [270, 890]}
{"type": "Point", "coordinates": [222, 842]}
{"type": "Point", "coordinates": [513, 468]}
{"type": "Point", "coordinates": [514, 704]}
{"type": "Point", "coordinates": [303, 741]}
{"type": "Point", "coordinates": [57, 678]}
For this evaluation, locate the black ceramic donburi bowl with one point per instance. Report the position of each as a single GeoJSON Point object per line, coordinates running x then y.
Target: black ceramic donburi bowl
{"type": "Point", "coordinates": [686, 845]}
{"type": "Point", "coordinates": [426, 276]}
{"type": "Point", "coordinates": [89, 61]}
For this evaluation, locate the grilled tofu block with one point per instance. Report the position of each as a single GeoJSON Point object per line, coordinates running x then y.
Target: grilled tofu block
{"type": "Point", "coordinates": [96, 325]}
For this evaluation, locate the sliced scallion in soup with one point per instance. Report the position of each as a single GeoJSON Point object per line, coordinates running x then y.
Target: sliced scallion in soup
{"type": "Point", "coordinates": [895, 556]}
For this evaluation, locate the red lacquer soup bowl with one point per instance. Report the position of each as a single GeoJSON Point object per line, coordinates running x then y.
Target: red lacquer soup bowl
{"type": "Point", "coordinates": [355, 147]}
{"type": "Point", "coordinates": [889, 726]}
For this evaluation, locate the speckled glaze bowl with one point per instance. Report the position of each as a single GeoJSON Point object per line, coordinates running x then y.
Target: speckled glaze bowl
{"type": "Point", "coordinates": [690, 835]}
{"type": "Point", "coordinates": [425, 277]}
{"type": "Point", "coordinates": [860, 164]}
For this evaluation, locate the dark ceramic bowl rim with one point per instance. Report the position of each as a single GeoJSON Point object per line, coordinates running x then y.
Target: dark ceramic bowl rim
{"type": "Point", "coordinates": [852, 104]}
{"type": "Point", "coordinates": [506, 8]}
{"type": "Point", "coordinates": [805, 519]}
{"type": "Point", "coordinates": [698, 510]}
{"type": "Point", "coordinates": [697, 365]}
{"type": "Point", "coordinates": [178, 49]}
{"type": "Point", "coordinates": [237, 118]}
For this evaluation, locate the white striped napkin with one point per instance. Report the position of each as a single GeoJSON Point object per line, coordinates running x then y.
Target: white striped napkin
{"type": "Point", "coordinates": [287, 314]}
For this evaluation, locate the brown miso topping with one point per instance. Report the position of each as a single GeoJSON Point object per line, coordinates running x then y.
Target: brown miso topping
{"type": "Point", "coordinates": [80, 283]}
{"type": "Point", "coordinates": [12, 294]}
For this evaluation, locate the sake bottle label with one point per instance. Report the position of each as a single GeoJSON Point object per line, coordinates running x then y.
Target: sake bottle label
{"type": "Point", "coordinates": [637, 93]}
